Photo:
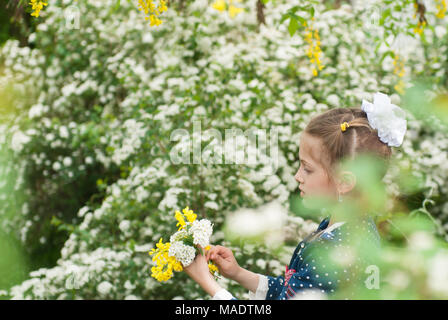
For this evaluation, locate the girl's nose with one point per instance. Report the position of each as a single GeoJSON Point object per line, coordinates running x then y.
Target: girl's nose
{"type": "Point", "coordinates": [297, 177]}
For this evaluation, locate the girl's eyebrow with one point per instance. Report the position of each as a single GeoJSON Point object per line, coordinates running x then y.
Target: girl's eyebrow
{"type": "Point", "coordinates": [306, 162]}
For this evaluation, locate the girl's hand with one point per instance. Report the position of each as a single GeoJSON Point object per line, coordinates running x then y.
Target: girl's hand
{"type": "Point", "coordinates": [199, 272]}
{"type": "Point", "coordinates": [198, 269]}
{"type": "Point", "coordinates": [224, 260]}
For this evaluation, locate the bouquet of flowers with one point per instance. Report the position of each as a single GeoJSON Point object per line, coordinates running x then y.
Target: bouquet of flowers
{"type": "Point", "coordinates": [181, 251]}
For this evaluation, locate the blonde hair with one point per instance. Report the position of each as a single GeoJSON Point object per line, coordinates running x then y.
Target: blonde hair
{"type": "Point", "coordinates": [358, 138]}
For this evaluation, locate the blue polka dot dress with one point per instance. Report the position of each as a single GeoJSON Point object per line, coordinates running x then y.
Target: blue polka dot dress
{"type": "Point", "coordinates": [312, 264]}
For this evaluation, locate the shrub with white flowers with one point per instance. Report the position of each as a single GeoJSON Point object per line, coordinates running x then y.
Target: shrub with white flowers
{"type": "Point", "coordinates": [93, 111]}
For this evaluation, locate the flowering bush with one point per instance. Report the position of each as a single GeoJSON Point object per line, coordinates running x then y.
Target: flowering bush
{"type": "Point", "coordinates": [93, 109]}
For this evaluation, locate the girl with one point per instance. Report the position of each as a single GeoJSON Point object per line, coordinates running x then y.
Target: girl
{"type": "Point", "coordinates": [329, 138]}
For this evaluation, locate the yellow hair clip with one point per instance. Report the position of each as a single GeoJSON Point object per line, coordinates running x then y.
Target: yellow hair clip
{"type": "Point", "coordinates": [344, 126]}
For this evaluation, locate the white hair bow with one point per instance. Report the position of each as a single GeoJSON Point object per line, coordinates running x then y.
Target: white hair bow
{"type": "Point", "coordinates": [387, 118]}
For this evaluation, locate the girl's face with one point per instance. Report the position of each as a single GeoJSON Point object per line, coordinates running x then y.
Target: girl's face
{"type": "Point", "coordinates": [311, 176]}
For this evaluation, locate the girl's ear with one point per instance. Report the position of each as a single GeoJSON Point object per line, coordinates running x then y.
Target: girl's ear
{"type": "Point", "coordinates": [346, 182]}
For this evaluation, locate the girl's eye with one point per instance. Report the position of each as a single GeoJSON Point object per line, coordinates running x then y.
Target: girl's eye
{"type": "Point", "coordinates": [305, 169]}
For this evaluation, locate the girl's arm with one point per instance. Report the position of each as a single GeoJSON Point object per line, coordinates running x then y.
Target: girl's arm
{"type": "Point", "coordinates": [229, 268]}
{"type": "Point", "coordinates": [246, 278]}
{"type": "Point", "coordinates": [260, 286]}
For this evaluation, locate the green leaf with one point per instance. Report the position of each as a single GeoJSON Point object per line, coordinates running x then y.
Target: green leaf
{"type": "Point", "coordinates": [294, 9]}
{"type": "Point", "coordinates": [293, 26]}
{"type": "Point", "coordinates": [312, 11]}
{"type": "Point", "coordinates": [302, 20]}
{"type": "Point", "coordinates": [384, 16]}
{"type": "Point", "coordinates": [387, 53]}
{"type": "Point", "coordinates": [284, 17]}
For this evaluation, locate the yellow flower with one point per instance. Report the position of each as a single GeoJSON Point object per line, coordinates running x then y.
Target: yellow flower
{"type": "Point", "coordinates": [399, 71]}
{"type": "Point", "coordinates": [233, 11]}
{"type": "Point", "coordinates": [400, 86]}
{"type": "Point", "coordinates": [165, 264]}
{"type": "Point", "coordinates": [441, 8]}
{"type": "Point", "coordinates": [212, 268]}
{"type": "Point", "coordinates": [154, 21]}
{"type": "Point", "coordinates": [398, 65]}
{"type": "Point", "coordinates": [162, 6]}
{"type": "Point", "coordinates": [189, 214]}
{"type": "Point", "coordinates": [313, 51]}
{"type": "Point", "coordinates": [151, 11]}
{"type": "Point", "coordinates": [37, 5]}
{"type": "Point", "coordinates": [219, 5]}
{"type": "Point", "coordinates": [180, 218]}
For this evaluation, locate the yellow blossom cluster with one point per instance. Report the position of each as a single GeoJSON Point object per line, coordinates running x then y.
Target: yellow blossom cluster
{"type": "Point", "coordinates": [37, 5]}
{"type": "Point", "coordinates": [421, 22]}
{"type": "Point", "coordinates": [212, 268]}
{"type": "Point", "coordinates": [165, 264]}
{"type": "Point", "coordinates": [187, 213]}
{"type": "Point", "coordinates": [313, 52]}
{"type": "Point", "coordinates": [420, 27]}
{"type": "Point", "coordinates": [441, 8]}
{"type": "Point", "coordinates": [398, 65]}
{"type": "Point", "coordinates": [152, 11]}
{"type": "Point", "coordinates": [221, 5]}
{"type": "Point", "coordinates": [399, 71]}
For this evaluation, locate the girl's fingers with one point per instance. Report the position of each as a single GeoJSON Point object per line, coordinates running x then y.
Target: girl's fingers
{"type": "Point", "coordinates": [208, 254]}
{"type": "Point", "coordinates": [217, 251]}
{"type": "Point", "coordinates": [212, 251]}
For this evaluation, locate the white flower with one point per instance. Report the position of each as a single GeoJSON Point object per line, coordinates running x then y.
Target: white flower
{"type": "Point", "coordinates": [63, 132]}
{"type": "Point", "coordinates": [261, 263]}
{"type": "Point", "coordinates": [421, 240]}
{"type": "Point", "coordinates": [438, 274]}
{"type": "Point", "coordinates": [128, 285]}
{"type": "Point", "coordinates": [183, 253]}
{"type": "Point", "coordinates": [141, 194]}
{"type": "Point", "coordinates": [124, 225]}
{"type": "Point", "coordinates": [266, 221]}
{"type": "Point", "coordinates": [333, 100]}
{"type": "Point", "coordinates": [104, 287]}
{"type": "Point", "coordinates": [56, 166]}
{"type": "Point", "coordinates": [36, 111]}
{"type": "Point", "coordinates": [212, 205]}
{"type": "Point", "coordinates": [387, 118]}
{"type": "Point", "coordinates": [67, 161]}
{"type": "Point", "coordinates": [179, 235]}
{"type": "Point", "coordinates": [201, 230]}
{"type": "Point", "coordinates": [18, 140]}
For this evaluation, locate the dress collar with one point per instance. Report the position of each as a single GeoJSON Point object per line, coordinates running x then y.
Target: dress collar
{"type": "Point", "coordinates": [324, 223]}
